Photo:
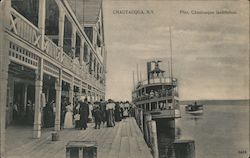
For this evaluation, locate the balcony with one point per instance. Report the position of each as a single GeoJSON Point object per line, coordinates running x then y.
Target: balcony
{"type": "Point", "coordinates": [21, 29]}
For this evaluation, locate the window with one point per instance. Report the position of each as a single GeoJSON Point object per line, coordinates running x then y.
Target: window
{"type": "Point", "coordinates": [89, 33]}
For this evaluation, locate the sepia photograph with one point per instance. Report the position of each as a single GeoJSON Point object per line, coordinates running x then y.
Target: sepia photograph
{"type": "Point", "coordinates": [124, 79]}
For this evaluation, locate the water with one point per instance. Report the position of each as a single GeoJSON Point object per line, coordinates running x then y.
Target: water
{"type": "Point", "coordinates": [221, 132]}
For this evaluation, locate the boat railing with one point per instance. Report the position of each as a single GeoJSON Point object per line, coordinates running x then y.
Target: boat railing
{"type": "Point", "coordinates": [156, 80]}
{"type": "Point", "coordinates": [155, 95]}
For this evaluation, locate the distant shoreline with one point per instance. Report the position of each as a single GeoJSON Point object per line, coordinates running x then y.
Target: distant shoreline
{"type": "Point", "coordinates": [217, 102]}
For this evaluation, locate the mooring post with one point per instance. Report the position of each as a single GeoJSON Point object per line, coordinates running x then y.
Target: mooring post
{"type": "Point", "coordinates": [153, 138]}
{"type": "Point", "coordinates": [141, 119]}
{"type": "Point", "coordinates": [81, 149]}
{"type": "Point", "coordinates": [184, 148]}
{"type": "Point", "coordinates": [147, 117]}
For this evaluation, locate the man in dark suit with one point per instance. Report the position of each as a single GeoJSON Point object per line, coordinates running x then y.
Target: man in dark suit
{"type": "Point", "coordinates": [84, 113]}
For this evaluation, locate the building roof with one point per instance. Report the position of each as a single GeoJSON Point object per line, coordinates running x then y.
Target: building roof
{"type": "Point", "coordinates": [86, 11]}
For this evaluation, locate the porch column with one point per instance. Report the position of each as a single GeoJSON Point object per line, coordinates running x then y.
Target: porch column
{"type": "Point", "coordinates": [41, 20]}
{"type": "Point", "coordinates": [61, 30]}
{"type": "Point", "coordinates": [150, 106]}
{"type": "Point", "coordinates": [4, 62]}
{"type": "Point", "coordinates": [81, 51]}
{"type": "Point", "coordinates": [80, 89]}
{"type": "Point", "coordinates": [73, 41]}
{"type": "Point", "coordinates": [38, 101]}
{"type": "Point", "coordinates": [58, 87]}
{"type": "Point", "coordinates": [71, 91]}
{"type": "Point", "coordinates": [25, 96]}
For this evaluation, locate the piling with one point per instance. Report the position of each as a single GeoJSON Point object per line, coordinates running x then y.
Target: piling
{"type": "Point", "coordinates": [153, 138]}
{"type": "Point", "coordinates": [141, 119]}
{"type": "Point", "coordinates": [184, 148]}
{"type": "Point", "coordinates": [81, 149]}
{"type": "Point", "coordinates": [147, 117]}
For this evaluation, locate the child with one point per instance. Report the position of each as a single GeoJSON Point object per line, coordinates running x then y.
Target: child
{"type": "Point", "coordinates": [98, 117]}
{"type": "Point", "coordinates": [77, 118]}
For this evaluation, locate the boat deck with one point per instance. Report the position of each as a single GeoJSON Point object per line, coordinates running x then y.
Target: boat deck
{"type": "Point", "coordinates": [123, 141]}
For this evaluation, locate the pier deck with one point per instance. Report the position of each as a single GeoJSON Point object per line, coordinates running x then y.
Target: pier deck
{"type": "Point", "coordinates": [125, 140]}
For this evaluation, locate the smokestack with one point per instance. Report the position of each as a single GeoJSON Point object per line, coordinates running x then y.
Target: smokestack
{"type": "Point", "coordinates": [148, 71]}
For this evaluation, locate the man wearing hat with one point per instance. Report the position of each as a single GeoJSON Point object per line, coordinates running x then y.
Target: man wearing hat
{"type": "Point", "coordinates": [84, 112]}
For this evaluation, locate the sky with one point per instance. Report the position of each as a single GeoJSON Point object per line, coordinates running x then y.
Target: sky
{"type": "Point", "coordinates": [210, 51]}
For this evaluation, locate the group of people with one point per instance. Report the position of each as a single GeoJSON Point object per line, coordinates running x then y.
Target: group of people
{"type": "Point", "coordinates": [24, 114]}
{"type": "Point", "coordinates": [103, 112]}
{"type": "Point", "coordinates": [156, 94]}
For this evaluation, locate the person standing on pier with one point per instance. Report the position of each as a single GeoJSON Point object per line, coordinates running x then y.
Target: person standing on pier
{"type": "Point", "coordinates": [63, 110]}
{"type": "Point", "coordinates": [121, 109]}
{"type": "Point", "coordinates": [97, 116]}
{"type": "Point", "coordinates": [102, 106]}
{"type": "Point", "coordinates": [84, 113]}
{"type": "Point", "coordinates": [117, 112]}
{"type": "Point", "coordinates": [68, 122]}
{"type": "Point", "coordinates": [110, 113]}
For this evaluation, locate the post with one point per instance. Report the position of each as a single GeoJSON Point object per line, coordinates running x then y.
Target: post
{"type": "Point", "coordinates": [4, 62]}
{"type": "Point", "coordinates": [147, 117]}
{"type": "Point", "coordinates": [71, 91]}
{"type": "Point", "coordinates": [25, 96]}
{"type": "Point", "coordinates": [141, 119]}
{"type": "Point", "coordinates": [150, 106]}
{"type": "Point", "coordinates": [153, 138]}
{"type": "Point", "coordinates": [41, 20]}
{"type": "Point", "coordinates": [38, 100]}
{"type": "Point", "coordinates": [81, 52]}
{"type": "Point", "coordinates": [58, 87]}
{"type": "Point", "coordinates": [73, 41]}
{"type": "Point", "coordinates": [184, 148]}
{"type": "Point", "coordinates": [61, 30]}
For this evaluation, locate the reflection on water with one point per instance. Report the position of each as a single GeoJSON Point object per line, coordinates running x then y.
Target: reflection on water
{"type": "Point", "coordinates": [221, 132]}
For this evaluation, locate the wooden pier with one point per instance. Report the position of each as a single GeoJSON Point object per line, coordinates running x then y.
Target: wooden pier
{"type": "Point", "coordinates": [125, 140]}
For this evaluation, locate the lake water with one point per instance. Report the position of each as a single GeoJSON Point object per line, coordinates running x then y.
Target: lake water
{"type": "Point", "coordinates": [221, 132]}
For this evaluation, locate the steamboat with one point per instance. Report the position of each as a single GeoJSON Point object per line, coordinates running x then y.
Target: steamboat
{"type": "Point", "coordinates": [158, 94]}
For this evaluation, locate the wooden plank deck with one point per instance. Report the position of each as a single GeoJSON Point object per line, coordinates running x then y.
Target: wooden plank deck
{"type": "Point", "coordinates": [123, 141]}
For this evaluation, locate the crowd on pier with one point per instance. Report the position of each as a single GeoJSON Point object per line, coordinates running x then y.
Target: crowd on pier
{"type": "Point", "coordinates": [81, 112]}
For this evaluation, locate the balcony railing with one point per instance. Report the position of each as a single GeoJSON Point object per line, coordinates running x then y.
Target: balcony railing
{"type": "Point", "coordinates": [28, 32]}
{"type": "Point", "coordinates": [51, 49]}
{"type": "Point", "coordinates": [24, 28]}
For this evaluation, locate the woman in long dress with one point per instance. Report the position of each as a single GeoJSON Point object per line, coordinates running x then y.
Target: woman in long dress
{"type": "Point", "coordinates": [68, 121]}
{"type": "Point", "coordinates": [110, 113]}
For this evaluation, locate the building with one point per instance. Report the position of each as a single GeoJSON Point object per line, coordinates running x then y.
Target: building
{"type": "Point", "coordinates": [49, 51]}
